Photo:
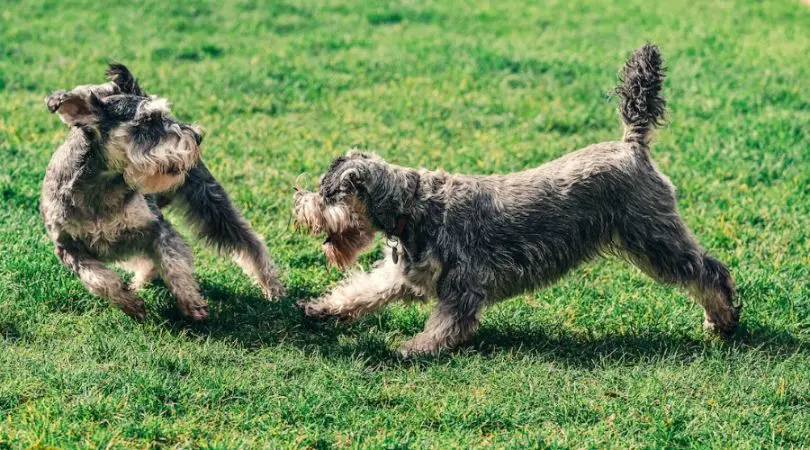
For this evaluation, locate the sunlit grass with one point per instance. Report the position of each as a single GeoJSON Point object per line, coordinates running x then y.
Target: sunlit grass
{"type": "Point", "coordinates": [605, 358]}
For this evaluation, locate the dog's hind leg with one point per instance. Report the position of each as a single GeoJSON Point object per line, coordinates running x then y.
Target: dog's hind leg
{"type": "Point", "coordinates": [361, 293]}
{"type": "Point", "coordinates": [99, 279]}
{"type": "Point", "coordinates": [210, 212]}
{"type": "Point", "coordinates": [663, 247]}
{"type": "Point", "coordinates": [454, 319]}
{"type": "Point", "coordinates": [176, 266]}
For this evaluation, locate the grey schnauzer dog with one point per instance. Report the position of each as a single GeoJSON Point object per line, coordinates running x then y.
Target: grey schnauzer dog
{"type": "Point", "coordinates": [125, 158]}
{"type": "Point", "coordinates": [473, 240]}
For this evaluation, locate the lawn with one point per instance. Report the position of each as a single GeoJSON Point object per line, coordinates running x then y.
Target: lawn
{"type": "Point", "coordinates": [605, 358]}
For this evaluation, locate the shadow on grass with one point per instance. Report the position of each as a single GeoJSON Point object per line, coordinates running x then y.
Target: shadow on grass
{"type": "Point", "coordinates": [580, 349]}
{"type": "Point", "coordinates": [251, 321]}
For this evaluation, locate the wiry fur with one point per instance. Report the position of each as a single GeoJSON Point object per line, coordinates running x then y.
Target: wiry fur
{"type": "Point", "coordinates": [474, 240]}
{"type": "Point", "coordinates": [124, 159]}
{"type": "Point", "coordinates": [642, 108]}
{"type": "Point", "coordinates": [345, 225]}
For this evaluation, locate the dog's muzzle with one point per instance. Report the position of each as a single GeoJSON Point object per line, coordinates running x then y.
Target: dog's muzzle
{"type": "Point", "coordinates": [347, 230]}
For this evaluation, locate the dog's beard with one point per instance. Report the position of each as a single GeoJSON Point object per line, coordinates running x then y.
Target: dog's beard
{"type": "Point", "coordinates": [160, 169]}
{"type": "Point", "coordinates": [149, 181]}
{"type": "Point", "coordinates": [347, 230]}
{"type": "Point", "coordinates": [157, 183]}
{"type": "Point", "coordinates": [343, 249]}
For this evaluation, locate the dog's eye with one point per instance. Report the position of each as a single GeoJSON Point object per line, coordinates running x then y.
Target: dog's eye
{"type": "Point", "coordinates": [149, 131]}
{"type": "Point", "coordinates": [155, 125]}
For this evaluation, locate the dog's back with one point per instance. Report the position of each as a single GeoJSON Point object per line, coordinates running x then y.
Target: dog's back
{"type": "Point", "coordinates": [539, 223]}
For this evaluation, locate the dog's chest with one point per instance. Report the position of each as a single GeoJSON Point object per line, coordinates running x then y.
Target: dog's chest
{"type": "Point", "coordinates": [103, 232]}
{"type": "Point", "coordinates": [422, 276]}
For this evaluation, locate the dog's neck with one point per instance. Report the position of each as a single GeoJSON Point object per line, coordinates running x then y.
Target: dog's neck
{"type": "Point", "coordinates": [390, 197]}
{"type": "Point", "coordinates": [397, 236]}
{"type": "Point", "coordinates": [402, 222]}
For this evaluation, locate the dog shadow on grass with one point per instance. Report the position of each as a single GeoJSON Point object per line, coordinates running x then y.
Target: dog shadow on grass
{"type": "Point", "coordinates": [253, 322]}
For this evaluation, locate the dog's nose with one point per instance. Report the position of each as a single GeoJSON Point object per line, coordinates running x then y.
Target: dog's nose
{"type": "Point", "coordinates": [198, 134]}
{"type": "Point", "coordinates": [194, 132]}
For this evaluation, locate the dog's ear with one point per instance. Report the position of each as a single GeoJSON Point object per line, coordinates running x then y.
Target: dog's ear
{"type": "Point", "coordinates": [123, 78]}
{"type": "Point", "coordinates": [344, 177]}
{"type": "Point", "coordinates": [351, 179]}
{"type": "Point", "coordinates": [355, 153]}
{"type": "Point", "coordinates": [74, 110]}
{"type": "Point", "coordinates": [55, 99]}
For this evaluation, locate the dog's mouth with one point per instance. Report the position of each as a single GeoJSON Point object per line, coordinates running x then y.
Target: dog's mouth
{"type": "Point", "coordinates": [160, 182]}
{"type": "Point", "coordinates": [342, 250]}
{"type": "Point", "coordinates": [163, 179]}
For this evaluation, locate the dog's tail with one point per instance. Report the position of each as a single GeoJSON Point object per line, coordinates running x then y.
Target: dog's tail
{"type": "Point", "coordinates": [642, 108]}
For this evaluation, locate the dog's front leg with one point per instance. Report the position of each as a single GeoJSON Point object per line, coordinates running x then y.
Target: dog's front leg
{"type": "Point", "coordinates": [454, 319]}
{"type": "Point", "coordinates": [215, 219]}
{"type": "Point", "coordinates": [99, 279]}
{"type": "Point", "coordinates": [361, 293]}
{"type": "Point", "coordinates": [176, 266]}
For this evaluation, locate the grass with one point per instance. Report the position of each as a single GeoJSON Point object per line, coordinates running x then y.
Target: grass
{"type": "Point", "coordinates": [605, 358]}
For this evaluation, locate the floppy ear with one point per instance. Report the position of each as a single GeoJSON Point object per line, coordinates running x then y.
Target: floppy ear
{"type": "Point", "coordinates": [73, 109]}
{"type": "Point", "coordinates": [55, 99]}
{"type": "Point", "coordinates": [358, 154]}
{"type": "Point", "coordinates": [344, 176]}
{"type": "Point", "coordinates": [123, 78]}
{"type": "Point", "coordinates": [351, 179]}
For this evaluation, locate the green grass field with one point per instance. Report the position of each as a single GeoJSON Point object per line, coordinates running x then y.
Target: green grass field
{"type": "Point", "coordinates": [605, 358]}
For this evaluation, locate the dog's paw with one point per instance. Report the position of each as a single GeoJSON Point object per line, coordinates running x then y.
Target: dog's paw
{"type": "Point", "coordinates": [314, 309]}
{"type": "Point", "coordinates": [722, 321]}
{"type": "Point", "coordinates": [134, 307]}
{"type": "Point", "coordinates": [196, 311]}
{"type": "Point", "coordinates": [419, 346]}
{"type": "Point", "coordinates": [317, 309]}
{"type": "Point", "coordinates": [274, 291]}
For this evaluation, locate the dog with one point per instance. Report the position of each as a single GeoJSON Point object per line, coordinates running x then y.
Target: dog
{"type": "Point", "coordinates": [470, 241]}
{"type": "Point", "coordinates": [125, 158]}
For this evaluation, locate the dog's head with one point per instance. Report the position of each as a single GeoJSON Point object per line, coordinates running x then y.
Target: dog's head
{"type": "Point", "coordinates": [358, 195]}
{"type": "Point", "coordinates": [137, 133]}
{"type": "Point", "coordinates": [338, 210]}
{"type": "Point", "coordinates": [348, 231]}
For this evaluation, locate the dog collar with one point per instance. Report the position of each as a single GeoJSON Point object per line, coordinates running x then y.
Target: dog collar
{"type": "Point", "coordinates": [394, 237]}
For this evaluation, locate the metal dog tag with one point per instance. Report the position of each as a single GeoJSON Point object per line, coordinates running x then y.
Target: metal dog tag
{"type": "Point", "coordinates": [394, 244]}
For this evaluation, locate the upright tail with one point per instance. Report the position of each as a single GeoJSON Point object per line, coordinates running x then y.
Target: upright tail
{"type": "Point", "coordinates": [642, 108]}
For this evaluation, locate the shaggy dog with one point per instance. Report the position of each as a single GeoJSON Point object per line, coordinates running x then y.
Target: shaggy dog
{"type": "Point", "coordinates": [473, 240]}
{"type": "Point", "coordinates": [124, 159]}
